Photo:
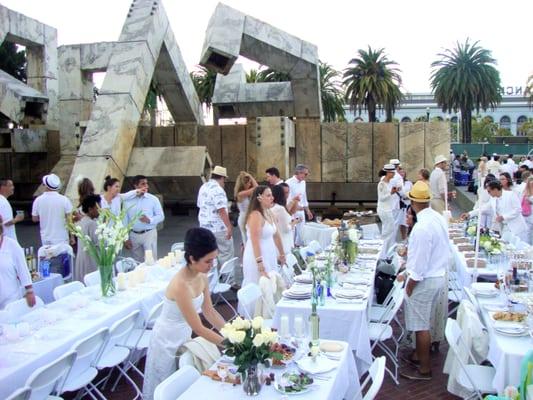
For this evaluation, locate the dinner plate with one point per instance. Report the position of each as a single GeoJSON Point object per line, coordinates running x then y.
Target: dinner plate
{"type": "Point", "coordinates": [511, 331]}
{"type": "Point", "coordinates": [279, 389]}
{"type": "Point", "coordinates": [320, 365]}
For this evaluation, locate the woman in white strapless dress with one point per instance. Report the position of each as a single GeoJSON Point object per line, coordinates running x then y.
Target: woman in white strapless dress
{"type": "Point", "coordinates": [264, 241]}
{"type": "Point", "coordinates": [244, 187]}
{"type": "Point", "coordinates": [186, 296]}
{"type": "Point", "coordinates": [284, 221]}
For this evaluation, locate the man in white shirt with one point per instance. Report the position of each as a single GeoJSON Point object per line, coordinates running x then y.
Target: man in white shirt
{"type": "Point", "coordinates": [143, 235]}
{"type": "Point", "coordinates": [512, 165]}
{"type": "Point", "coordinates": [528, 162]}
{"type": "Point", "coordinates": [272, 176]}
{"type": "Point", "coordinates": [6, 212]}
{"type": "Point", "coordinates": [397, 182]}
{"type": "Point", "coordinates": [297, 190]}
{"type": "Point", "coordinates": [213, 215]}
{"type": "Point", "coordinates": [51, 210]}
{"type": "Point", "coordinates": [427, 261]}
{"type": "Point", "coordinates": [438, 184]}
{"type": "Point", "coordinates": [493, 165]}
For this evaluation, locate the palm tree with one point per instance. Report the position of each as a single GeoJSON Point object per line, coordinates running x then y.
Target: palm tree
{"type": "Point", "coordinates": [372, 81]}
{"type": "Point", "coordinates": [252, 76]}
{"type": "Point", "coordinates": [465, 78]}
{"type": "Point", "coordinates": [331, 93]}
{"type": "Point", "coordinates": [270, 75]}
{"type": "Point", "coordinates": [204, 83]}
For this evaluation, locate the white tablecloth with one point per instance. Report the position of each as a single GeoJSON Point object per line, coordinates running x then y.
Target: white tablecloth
{"type": "Point", "coordinates": [45, 287]}
{"type": "Point", "coordinates": [338, 321]}
{"type": "Point", "coordinates": [18, 360]}
{"type": "Point", "coordinates": [505, 352]}
{"type": "Point", "coordinates": [465, 273]}
{"type": "Point", "coordinates": [319, 232]}
{"type": "Point", "coordinates": [343, 384]}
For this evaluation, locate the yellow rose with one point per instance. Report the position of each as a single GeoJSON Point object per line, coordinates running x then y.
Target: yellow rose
{"type": "Point", "coordinates": [226, 331]}
{"type": "Point", "coordinates": [259, 339]}
{"type": "Point", "coordinates": [257, 323]}
{"type": "Point", "coordinates": [246, 324]}
{"type": "Point", "coordinates": [236, 337]}
{"type": "Point", "coordinates": [237, 323]}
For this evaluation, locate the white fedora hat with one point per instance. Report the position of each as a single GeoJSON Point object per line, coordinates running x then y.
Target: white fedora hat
{"type": "Point", "coordinates": [52, 181]}
{"type": "Point", "coordinates": [440, 158]}
{"type": "Point", "coordinates": [220, 171]}
{"type": "Point", "coordinates": [394, 161]}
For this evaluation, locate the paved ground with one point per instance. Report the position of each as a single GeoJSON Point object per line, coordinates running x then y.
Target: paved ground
{"type": "Point", "coordinates": [174, 231]}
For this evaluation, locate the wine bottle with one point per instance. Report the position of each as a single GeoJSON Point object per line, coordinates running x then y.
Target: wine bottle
{"type": "Point", "coordinates": [314, 324]}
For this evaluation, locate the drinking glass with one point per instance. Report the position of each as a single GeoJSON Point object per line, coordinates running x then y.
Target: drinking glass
{"type": "Point", "coordinates": [222, 371]}
{"type": "Point", "coordinates": [319, 219]}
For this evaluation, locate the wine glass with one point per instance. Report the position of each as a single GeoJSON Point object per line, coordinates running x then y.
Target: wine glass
{"type": "Point", "coordinates": [222, 371]}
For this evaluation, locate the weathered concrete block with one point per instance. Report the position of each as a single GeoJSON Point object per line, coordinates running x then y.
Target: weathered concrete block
{"type": "Point", "coordinates": [271, 145]}
{"type": "Point", "coordinates": [334, 151]}
{"type": "Point", "coordinates": [251, 149]}
{"type": "Point", "coordinates": [29, 140]}
{"type": "Point", "coordinates": [143, 138]}
{"type": "Point", "coordinates": [163, 136]}
{"type": "Point", "coordinates": [385, 145]}
{"type": "Point", "coordinates": [186, 134]}
{"type": "Point", "coordinates": [437, 141]}
{"type": "Point", "coordinates": [209, 136]}
{"type": "Point", "coordinates": [233, 149]}
{"type": "Point", "coordinates": [412, 148]}
{"type": "Point", "coordinates": [359, 139]}
{"type": "Point", "coordinates": [20, 167]}
{"type": "Point", "coordinates": [308, 146]}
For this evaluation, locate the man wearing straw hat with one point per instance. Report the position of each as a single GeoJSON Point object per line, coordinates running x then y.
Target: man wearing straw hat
{"type": "Point", "coordinates": [438, 184]}
{"type": "Point", "coordinates": [213, 215]}
{"type": "Point", "coordinates": [427, 261]}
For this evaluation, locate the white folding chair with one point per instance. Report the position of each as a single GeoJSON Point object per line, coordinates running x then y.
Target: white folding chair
{"type": "Point", "coordinates": [315, 246]}
{"type": "Point", "coordinates": [455, 291]}
{"type": "Point", "coordinates": [476, 378]}
{"type": "Point", "coordinates": [18, 308]}
{"type": "Point", "coordinates": [377, 311]}
{"type": "Point", "coordinates": [472, 299]}
{"type": "Point", "coordinates": [177, 383]}
{"type": "Point", "coordinates": [20, 394]}
{"type": "Point", "coordinates": [92, 278]}
{"type": "Point", "coordinates": [186, 360]}
{"type": "Point", "coordinates": [303, 253]}
{"type": "Point", "coordinates": [248, 295]}
{"type": "Point", "coordinates": [222, 282]}
{"type": "Point", "coordinates": [67, 288]}
{"type": "Point", "coordinates": [125, 264]}
{"type": "Point", "coordinates": [45, 380]}
{"type": "Point", "coordinates": [115, 351]}
{"type": "Point", "coordinates": [177, 246]}
{"type": "Point", "coordinates": [138, 341]}
{"type": "Point", "coordinates": [287, 272]}
{"type": "Point", "coordinates": [376, 373]}
{"type": "Point", "coordinates": [381, 331]}
{"type": "Point", "coordinates": [83, 372]}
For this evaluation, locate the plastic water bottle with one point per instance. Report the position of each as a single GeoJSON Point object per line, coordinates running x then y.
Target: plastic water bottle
{"type": "Point", "coordinates": [44, 266]}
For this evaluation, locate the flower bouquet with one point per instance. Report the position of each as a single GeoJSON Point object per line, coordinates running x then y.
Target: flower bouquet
{"type": "Point", "coordinates": [111, 233]}
{"type": "Point", "coordinates": [250, 343]}
{"type": "Point", "coordinates": [346, 240]}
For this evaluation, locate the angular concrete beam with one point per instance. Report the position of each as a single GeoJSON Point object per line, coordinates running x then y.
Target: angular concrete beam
{"type": "Point", "coordinates": [233, 97]}
{"type": "Point", "coordinates": [21, 103]}
{"type": "Point", "coordinates": [231, 33]}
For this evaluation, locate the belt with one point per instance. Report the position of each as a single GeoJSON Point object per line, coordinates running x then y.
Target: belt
{"type": "Point", "coordinates": [141, 232]}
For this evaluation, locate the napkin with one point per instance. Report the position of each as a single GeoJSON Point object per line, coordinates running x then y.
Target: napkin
{"type": "Point", "coordinates": [229, 379]}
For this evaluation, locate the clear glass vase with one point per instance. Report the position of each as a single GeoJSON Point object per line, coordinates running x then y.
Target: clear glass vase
{"type": "Point", "coordinates": [251, 384]}
{"type": "Point", "coordinates": [107, 284]}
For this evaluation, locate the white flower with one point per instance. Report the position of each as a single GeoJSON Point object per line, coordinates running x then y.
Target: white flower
{"type": "Point", "coordinates": [236, 337]}
{"type": "Point", "coordinates": [257, 322]}
{"type": "Point", "coordinates": [238, 323]}
{"type": "Point", "coordinates": [259, 339]}
{"type": "Point", "coordinates": [353, 235]}
{"type": "Point", "coordinates": [226, 332]}
{"type": "Point", "coordinates": [335, 236]}
{"type": "Point", "coordinates": [270, 336]}
{"type": "Point", "coordinates": [246, 324]}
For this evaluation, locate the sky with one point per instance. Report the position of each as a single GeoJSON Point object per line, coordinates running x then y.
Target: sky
{"type": "Point", "coordinates": [412, 32]}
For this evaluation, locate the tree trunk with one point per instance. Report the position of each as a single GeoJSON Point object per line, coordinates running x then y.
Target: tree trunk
{"type": "Point", "coordinates": [467, 125]}
{"type": "Point", "coordinates": [371, 114]}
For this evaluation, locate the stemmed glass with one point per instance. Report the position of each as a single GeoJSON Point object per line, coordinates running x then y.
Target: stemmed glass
{"type": "Point", "coordinates": [222, 371]}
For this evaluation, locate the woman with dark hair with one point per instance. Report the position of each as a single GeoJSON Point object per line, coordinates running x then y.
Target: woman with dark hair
{"type": "Point", "coordinates": [283, 219]}
{"type": "Point", "coordinates": [187, 295]}
{"type": "Point", "coordinates": [84, 262]}
{"type": "Point", "coordinates": [112, 198]}
{"type": "Point", "coordinates": [85, 188]}
{"type": "Point", "coordinates": [506, 181]}
{"type": "Point", "coordinates": [263, 238]}
{"type": "Point", "coordinates": [291, 206]}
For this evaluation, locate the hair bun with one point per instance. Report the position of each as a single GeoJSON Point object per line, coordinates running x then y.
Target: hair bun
{"type": "Point", "coordinates": [108, 177]}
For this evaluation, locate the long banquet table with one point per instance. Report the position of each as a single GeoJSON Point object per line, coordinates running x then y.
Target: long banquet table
{"type": "Point", "coordinates": [340, 383]}
{"type": "Point", "coordinates": [319, 232]}
{"type": "Point", "coordinates": [68, 320]}
{"type": "Point", "coordinates": [339, 320]}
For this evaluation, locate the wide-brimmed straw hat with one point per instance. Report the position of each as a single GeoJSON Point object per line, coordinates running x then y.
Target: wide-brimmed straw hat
{"type": "Point", "coordinates": [220, 171]}
{"type": "Point", "coordinates": [420, 193]}
{"type": "Point", "coordinates": [389, 168]}
{"type": "Point", "coordinates": [440, 158]}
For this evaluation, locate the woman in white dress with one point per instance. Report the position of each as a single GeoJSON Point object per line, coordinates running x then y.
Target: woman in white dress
{"type": "Point", "coordinates": [186, 296]}
{"type": "Point", "coordinates": [407, 186]}
{"type": "Point", "coordinates": [244, 187]}
{"type": "Point", "coordinates": [112, 198]}
{"type": "Point", "coordinates": [528, 195]}
{"type": "Point", "coordinates": [384, 209]}
{"type": "Point", "coordinates": [284, 221]}
{"type": "Point", "coordinates": [263, 238]}
{"type": "Point", "coordinates": [84, 262]}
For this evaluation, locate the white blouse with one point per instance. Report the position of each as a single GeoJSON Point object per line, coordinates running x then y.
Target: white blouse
{"type": "Point", "coordinates": [14, 274]}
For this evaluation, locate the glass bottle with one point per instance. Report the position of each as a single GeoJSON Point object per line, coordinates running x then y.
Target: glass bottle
{"type": "Point", "coordinates": [314, 325]}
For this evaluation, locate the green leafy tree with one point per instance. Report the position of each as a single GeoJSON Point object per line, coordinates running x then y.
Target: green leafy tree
{"type": "Point", "coordinates": [485, 129]}
{"type": "Point", "coordinates": [13, 61]}
{"type": "Point", "coordinates": [252, 76]}
{"type": "Point", "coordinates": [527, 128]}
{"type": "Point", "coordinates": [331, 93]}
{"type": "Point", "coordinates": [270, 75]}
{"type": "Point", "coordinates": [204, 83]}
{"type": "Point", "coordinates": [465, 78]}
{"type": "Point", "coordinates": [372, 81]}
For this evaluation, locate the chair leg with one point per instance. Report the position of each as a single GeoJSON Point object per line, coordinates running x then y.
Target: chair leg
{"type": "Point", "coordinates": [235, 313]}
{"type": "Point", "coordinates": [126, 376]}
{"type": "Point", "coordinates": [100, 394]}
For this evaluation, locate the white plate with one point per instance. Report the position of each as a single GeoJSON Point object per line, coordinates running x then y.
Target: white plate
{"type": "Point", "coordinates": [321, 365]}
{"type": "Point", "coordinates": [277, 387]}
{"type": "Point", "coordinates": [505, 324]}
{"type": "Point", "coordinates": [515, 332]}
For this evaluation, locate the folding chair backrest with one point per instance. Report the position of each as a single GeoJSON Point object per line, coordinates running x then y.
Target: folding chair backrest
{"type": "Point", "coordinates": [227, 268]}
{"type": "Point", "coordinates": [87, 351]}
{"type": "Point", "coordinates": [154, 313]}
{"type": "Point", "coordinates": [177, 246]}
{"type": "Point", "coordinates": [92, 278]}
{"type": "Point", "coordinates": [46, 379]}
{"type": "Point", "coordinates": [177, 383]}
{"type": "Point", "coordinates": [315, 246]}
{"type": "Point", "coordinates": [292, 262]}
{"type": "Point", "coordinates": [472, 299]}
{"type": "Point", "coordinates": [19, 308]}
{"type": "Point", "coordinates": [376, 374]}
{"type": "Point", "coordinates": [248, 295]}
{"type": "Point", "coordinates": [67, 288]}
{"type": "Point", "coordinates": [394, 304]}
{"type": "Point", "coordinates": [304, 251]}
{"type": "Point", "coordinates": [120, 331]}
{"type": "Point", "coordinates": [186, 359]}
{"type": "Point", "coordinates": [20, 394]}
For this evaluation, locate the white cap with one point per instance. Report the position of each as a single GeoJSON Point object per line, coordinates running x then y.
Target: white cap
{"type": "Point", "coordinates": [394, 161]}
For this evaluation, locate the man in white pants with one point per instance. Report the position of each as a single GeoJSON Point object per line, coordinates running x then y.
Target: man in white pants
{"type": "Point", "coordinates": [143, 235]}
{"type": "Point", "coordinates": [297, 190]}
{"type": "Point", "coordinates": [386, 195]}
{"type": "Point", "coordinates": [397, 182]}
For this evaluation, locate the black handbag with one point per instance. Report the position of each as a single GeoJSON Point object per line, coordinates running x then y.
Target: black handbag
{"type": "Point", "coordinates": [383, 285]}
